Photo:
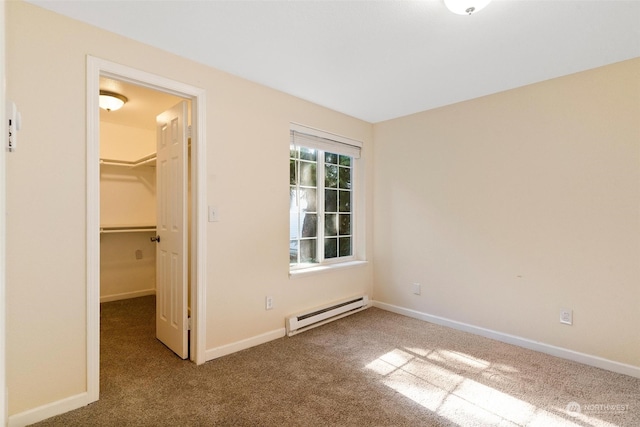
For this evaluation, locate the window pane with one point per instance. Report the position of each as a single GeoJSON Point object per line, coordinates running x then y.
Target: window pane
{"type": "Point", "coordinates": [293, 153]}
{"type": "Point", "coordinates": [345, 224]}
{"type": "Point", "coordinates": [345, 246]}
{"type": "Point", "coordinates": [330, 201]}
{"type": "Point", "coordinates": [308, 154]}
{"type": "Point", "coordinates": [330, 158]}
{"type": "Point", "coordinates": [293, 251]}
{"type": "Point", "coordinates": [309, 225]}
{"type": "Point", "coordinates": [308, 200]}
{"type": "Point", "coordinates": [345, 161]}
{"type": "Point", "coordinates": [345, 201]}
{"type": "Point", "coordinates": [330, 225]}
{"type": "Point", "coordinates": [331, 176]}
{"type": "Point", "coordinates": [308, 251]}
{"type": "Point", "coordinates": [345, 177]}
{"type": "Point", "coordinates": [292, 172]}
{"type": "Point", "coordinates": [294, 226]}
{"type": "Point", "coordinates": [330, 248]}
{"type": "Point", "coordinates": [308, 174]}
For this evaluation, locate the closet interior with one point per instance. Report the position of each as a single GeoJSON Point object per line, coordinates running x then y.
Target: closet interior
{"type": "Point", "coordinates": [128, 191]}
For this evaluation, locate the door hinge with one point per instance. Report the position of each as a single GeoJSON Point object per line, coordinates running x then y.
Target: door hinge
{"type": "Point", "coordinates": [188, 323]}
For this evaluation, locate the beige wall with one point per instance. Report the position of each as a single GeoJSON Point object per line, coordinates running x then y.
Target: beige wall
{"type": "Point", "coordinates": [124, 273]}
{"type": "Point", "coordinates": [3, 182]}
{"type": "Point", "coordinates": [128, 143]}
{"type": "Point", "coordinates": [127, 197]}
{"type": "Point", "coordinates": [510, 207]}
{"type": "Point", "coordinates": [247, 161]}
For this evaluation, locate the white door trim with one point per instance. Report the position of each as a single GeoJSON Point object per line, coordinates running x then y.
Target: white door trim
{"type": "Point", "coordinates": [97, 67]}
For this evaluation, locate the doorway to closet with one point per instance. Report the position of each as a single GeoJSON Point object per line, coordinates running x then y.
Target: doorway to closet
{"type": "Point", "coordinates": [144, 205]}
{"type": "Point", "coordinates": [97, 68]}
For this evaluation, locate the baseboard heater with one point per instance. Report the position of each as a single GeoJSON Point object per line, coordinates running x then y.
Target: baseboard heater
{"type": "Point", "coordinates": [320, 315]}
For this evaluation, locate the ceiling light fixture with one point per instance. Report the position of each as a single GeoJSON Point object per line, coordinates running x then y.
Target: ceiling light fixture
{"type": "Point", "coordinates": [111, 101]}
{"type": "Point", "coordinates": [465, 7]}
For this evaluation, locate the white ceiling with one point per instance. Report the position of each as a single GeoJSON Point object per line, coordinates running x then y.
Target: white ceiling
{"type": "Point", "coordinates": [377, 60]}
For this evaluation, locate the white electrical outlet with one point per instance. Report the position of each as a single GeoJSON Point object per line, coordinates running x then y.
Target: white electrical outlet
{"type": "Point", "coordinates": [268, 303]}
{"type": "Point", "coordinates": [566, 316]}
{"type": "Point", "coordinates": [416, 288]}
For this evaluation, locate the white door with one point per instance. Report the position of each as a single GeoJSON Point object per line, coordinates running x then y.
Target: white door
{"type": "Point", "coordinates": [171, 254]}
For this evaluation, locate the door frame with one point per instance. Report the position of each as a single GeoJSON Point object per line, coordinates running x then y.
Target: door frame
{"type": "Point", "coordinates": [97, 68]}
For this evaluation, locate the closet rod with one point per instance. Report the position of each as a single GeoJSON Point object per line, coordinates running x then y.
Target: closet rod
{"type": "Point", "coordinates": [131, 164]}
{"type": "Point", "coordinates": [127, 229]}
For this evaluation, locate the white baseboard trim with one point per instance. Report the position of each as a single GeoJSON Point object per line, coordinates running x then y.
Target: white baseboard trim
{"type": "Point", "coordinates": [127, 295]}
{"type": "Point", "coordinates": [224, 350]}
{"type": "Point", "coordinates": [587, 359]}
{"type": "Point", "coordinates": [49, 410]}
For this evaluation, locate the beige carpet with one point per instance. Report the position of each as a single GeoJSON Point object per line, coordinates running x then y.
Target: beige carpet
{"type": "Point", "coordinates": [374, 368]}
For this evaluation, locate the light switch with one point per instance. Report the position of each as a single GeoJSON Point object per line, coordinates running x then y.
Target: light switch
{"type": "Point", "coordinates": [214, 215]}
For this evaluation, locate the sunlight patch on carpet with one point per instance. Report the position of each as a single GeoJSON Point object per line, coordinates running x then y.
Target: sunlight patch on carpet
{"type": "Point", "coordinates": [439, 381]}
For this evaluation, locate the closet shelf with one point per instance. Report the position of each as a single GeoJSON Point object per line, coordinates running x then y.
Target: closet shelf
{"type": "Point", "coordinates": [105, 229]}
{"type": "Point", "coordinates": [149, 160]}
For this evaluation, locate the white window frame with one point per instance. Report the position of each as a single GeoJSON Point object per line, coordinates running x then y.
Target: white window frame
{"type": "Point", "coordinates": [346, 146]}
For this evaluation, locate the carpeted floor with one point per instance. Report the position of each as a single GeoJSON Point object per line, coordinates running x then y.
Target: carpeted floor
{"type": "Point", "coordinates": [373, 368]}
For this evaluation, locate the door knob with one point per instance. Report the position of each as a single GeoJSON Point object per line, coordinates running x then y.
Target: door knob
{"type": "Point", "coordinates": [155, 239]}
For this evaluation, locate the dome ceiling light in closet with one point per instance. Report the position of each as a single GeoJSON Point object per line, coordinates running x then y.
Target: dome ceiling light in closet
{"type": "Point", "coordinates": [111, 101]}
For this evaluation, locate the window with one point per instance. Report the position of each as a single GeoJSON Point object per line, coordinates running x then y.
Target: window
{"type": "Point", "coordinates": [321, 199]}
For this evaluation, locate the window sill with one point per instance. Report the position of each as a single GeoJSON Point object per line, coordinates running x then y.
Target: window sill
{"type": "Point", "coordinates": [294, 274]}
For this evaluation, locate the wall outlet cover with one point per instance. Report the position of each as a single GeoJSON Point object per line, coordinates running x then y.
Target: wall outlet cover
{"type": "Point", "coordinates": [416, 288]}
{"type": "Point", "coordinates": [566, 316]}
